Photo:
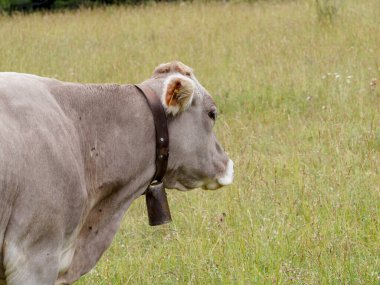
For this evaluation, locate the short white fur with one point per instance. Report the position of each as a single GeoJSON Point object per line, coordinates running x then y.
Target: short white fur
{"type": "Point", "coordinates": [228, 176]}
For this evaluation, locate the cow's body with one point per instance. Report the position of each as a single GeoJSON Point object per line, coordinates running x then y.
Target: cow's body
{"type": "Point", "coordinates": [72, 159]}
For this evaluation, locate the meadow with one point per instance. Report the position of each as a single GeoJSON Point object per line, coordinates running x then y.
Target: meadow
{"type": "Point", "coordinates": [299, 104]}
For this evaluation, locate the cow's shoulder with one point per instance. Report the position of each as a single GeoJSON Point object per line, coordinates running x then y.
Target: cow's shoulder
{"type": "Point", "coordinates": [41, 176]}
{"type": "Point", "coordinates": [38, 141]}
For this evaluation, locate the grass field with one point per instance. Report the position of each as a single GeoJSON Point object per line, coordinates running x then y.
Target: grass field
{"type": "Point", "coordinates": [299, 103]}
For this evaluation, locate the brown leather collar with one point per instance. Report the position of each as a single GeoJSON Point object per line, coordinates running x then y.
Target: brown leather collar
{"type": "Point", "coordinates": [162, 133]}
{"type": "Point", "coordinates": [155, 196]}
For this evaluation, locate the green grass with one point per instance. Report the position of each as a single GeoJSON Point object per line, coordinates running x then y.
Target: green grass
{"type": "Point", "coordinates": [299, 116]}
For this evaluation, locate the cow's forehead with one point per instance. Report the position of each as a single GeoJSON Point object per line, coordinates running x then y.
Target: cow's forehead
{"type": "Point", "coordinates": [208, 101]}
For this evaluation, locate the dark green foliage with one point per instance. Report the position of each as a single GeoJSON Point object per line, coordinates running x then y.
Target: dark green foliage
{"type": "Point", "coordinates": [4, 4]}
{"type": "Point", "coordinates": [31, 5]}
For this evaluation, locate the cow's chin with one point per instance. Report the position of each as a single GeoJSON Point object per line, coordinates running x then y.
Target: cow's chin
{"type": "Point", "coordinates": [224, 179]}
{"type": "Point", "coordinates": [209, 185]}
{"type": "Point", "coordinates": [182, 187]}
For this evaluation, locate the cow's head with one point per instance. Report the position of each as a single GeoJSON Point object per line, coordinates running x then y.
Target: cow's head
{"type": "Point", "coordinates": [196, 158]}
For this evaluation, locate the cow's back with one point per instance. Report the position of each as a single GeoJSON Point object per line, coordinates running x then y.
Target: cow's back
{"type": "Point", "coordinates": [39, 161]}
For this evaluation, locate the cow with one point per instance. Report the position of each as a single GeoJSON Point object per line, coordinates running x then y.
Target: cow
{"type": "Point", "coordinates": [73, 157]}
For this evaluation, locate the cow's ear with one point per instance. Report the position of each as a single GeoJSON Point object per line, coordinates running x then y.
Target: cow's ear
{"type": "Point", "coordinates": [177, 94]}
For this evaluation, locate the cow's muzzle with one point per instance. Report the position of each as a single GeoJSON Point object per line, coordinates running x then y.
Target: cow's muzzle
{"type": "Point", "coordinates": [228, 176]}
{"type": "Point", "coordinates": [224, 180]}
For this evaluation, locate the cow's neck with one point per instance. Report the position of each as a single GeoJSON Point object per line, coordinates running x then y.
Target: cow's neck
{"type": "Point", "coordinates": [115, 131]}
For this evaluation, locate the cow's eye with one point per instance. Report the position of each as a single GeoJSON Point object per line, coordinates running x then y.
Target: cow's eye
{"type": "Point", "coordinates": [213, 114]}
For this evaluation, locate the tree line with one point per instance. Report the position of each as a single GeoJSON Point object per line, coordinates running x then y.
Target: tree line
{"type": "Point", "coordinates": [32, 5]}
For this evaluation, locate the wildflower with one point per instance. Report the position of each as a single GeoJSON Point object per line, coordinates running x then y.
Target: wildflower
{"type": "Point", "coordinates": [373, 84]}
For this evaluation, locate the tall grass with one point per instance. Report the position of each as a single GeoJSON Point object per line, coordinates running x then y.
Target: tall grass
{"type": "Point", "coordinates": [300, 112]}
